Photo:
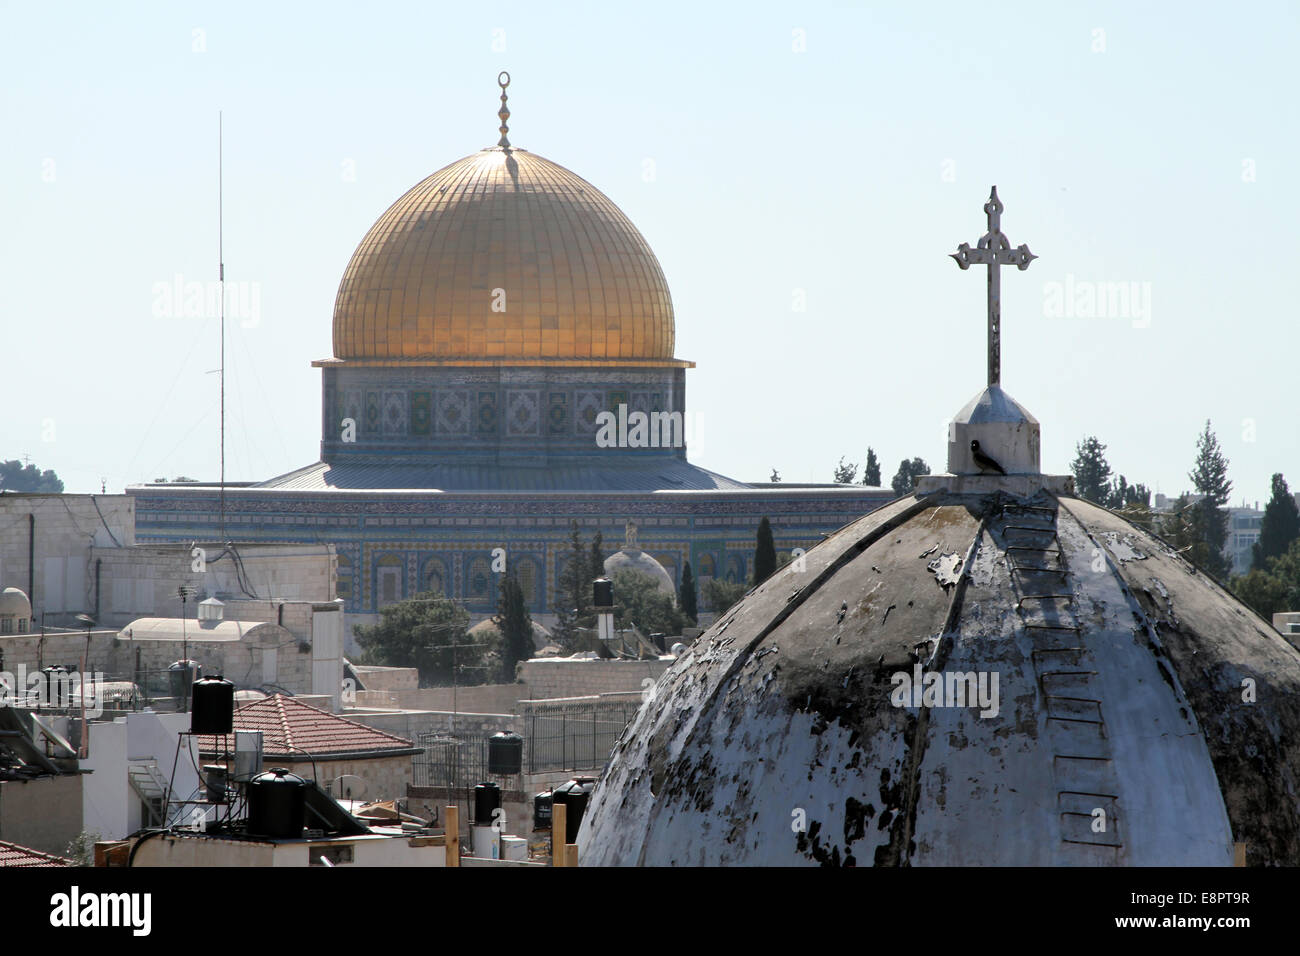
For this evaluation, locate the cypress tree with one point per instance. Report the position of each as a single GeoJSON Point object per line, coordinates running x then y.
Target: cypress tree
{"type": "Point", "coordinates": [1279, 526]}
{"type": "Point", "coordinates": [1091, 471]}
{"type": "Point", "coordinates": [595, 565]}
{"type": "Point", "coordinates": [686, 596]}
{"type": "Point", "coordinates": [1210, 477]}
{"type": "Point", "coordinates": [516, 626]}
{"type": "Point", "coordinates": [871, 470]}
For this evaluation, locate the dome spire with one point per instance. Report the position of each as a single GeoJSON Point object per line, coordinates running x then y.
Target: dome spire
{"type": "Point", "coordinates": [503, 80]}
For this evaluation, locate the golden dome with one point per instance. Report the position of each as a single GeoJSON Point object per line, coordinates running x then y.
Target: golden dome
{"type": "Point", "coordinates": [501, 258]}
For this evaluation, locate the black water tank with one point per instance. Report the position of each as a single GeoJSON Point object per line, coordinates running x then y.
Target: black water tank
{"type": "Point", "coordinates": [181, 676]}
{"type": "Point", "coordinates": [487, 798]}
{"type": "Point", "coordinates": [212, 709]}
{"type": "Point", "coordinates": [574, 796]}
{"type": "Point", "coordinates": [505, 753]}
{"type": "Point", "coordinates": [602, 591]}
{"type": "Point", "coordinates": [277, 804]}
{"type": "Point", "coordinates": [542, 811]}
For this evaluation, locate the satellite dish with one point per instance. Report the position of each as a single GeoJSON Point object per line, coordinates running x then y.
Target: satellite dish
{"type": "Point", "coordinates": [348, 787]}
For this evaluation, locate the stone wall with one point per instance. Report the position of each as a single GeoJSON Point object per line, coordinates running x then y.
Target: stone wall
{"type": "Point", "coordinates": [388, 678]}
{"type": "Point", "coordinates": [146, 662]}
{"type": "Point", "coordinates": [60, 580]}
{"type": "Point", "coordinates": [84, 559]}
{"type": "Point", "coordinates": [557, 677]}
{"type": "Point", "coordinates": [43, 814]}
{"type": "Point", "coordinates": [386, 778]}
{"type": "Point", "coordinates": [410, 724]}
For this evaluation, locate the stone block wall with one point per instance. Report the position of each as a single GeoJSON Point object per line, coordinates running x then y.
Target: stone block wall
{"type": "Point", "coordinates": [548, 679]}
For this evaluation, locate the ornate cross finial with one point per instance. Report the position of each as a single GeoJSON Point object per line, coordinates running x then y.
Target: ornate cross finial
{"type": "Point", "coordinates": [503, 80]}
{"type": "Point", "coordinates": [994, 251]}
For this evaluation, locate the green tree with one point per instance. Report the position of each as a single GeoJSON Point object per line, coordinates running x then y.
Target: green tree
{"type": "Point", "coordinates": [516, 626]}
{"type": "Point", "coordinates": [1273, 588]}
{"type": "Point", "coordinates": [419, 632]}
{"type": "Point", "coordinates": [639, 600]}
{"type": "Point", "coordinates": [1279, 526]}
{"type": "Point", "coordinates": [908, 471]}
{"type": "Point", "coordinates": [15, 477]}
{"type": "Point", "coordinates": [1264, 593]}
{"type": "Point", "coordinates": [845, 472]}
{"type": "Point", "coordinates": [1091, 471]}
{"type": "Point", "coordinates": [720, 594]}
{"type": "Point", "coordinates": [1209, 476]}
{"type": "Point", "coordinates": [573, 599]}
{"type": "Point", "coordinates": [686, 595]}
{"type": "Point", "coordinates": [81, 849]}
{"type": "Point", "coordinates": [1133, 502]}
{"type": "Point", "coordinates": [764, 553]}
{"type": "Point", "coordinates": [871, 470]}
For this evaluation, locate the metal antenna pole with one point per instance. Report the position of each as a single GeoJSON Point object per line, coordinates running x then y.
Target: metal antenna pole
{"type": "Point", "coordinates": [221, 283]}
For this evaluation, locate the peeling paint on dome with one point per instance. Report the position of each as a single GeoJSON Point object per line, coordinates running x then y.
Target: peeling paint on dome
{"type": "Point", "coordinates": [775, 739]}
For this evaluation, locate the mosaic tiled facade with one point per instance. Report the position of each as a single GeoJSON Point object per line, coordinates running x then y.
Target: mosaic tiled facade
{"type": "Point", "coordinates": [393, 545]}
{"type": "Point", "coordinates": [485, 414]}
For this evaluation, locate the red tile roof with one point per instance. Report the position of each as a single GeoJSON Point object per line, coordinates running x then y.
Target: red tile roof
{"type": "Point", "coordinates": [11, 854]}
{"type": "Point", "coordinates": [290, 727]}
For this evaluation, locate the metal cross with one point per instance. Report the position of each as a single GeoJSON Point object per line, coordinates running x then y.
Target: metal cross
{"type": "Point", "coordinates": [994, 251]}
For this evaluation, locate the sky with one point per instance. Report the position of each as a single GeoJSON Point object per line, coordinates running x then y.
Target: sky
{"type": "Point", "coordinates": [801, 170]}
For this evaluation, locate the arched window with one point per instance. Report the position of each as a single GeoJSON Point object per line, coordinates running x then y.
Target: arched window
{"type": "Point", "coordinates": [706, 567]}
{"type": "Point", "coordinates": [736, 569]}
{"type": "Point", "coordinates": [480, 580]}
{"type": "Point", "coordinates": [434, 577]}
{"type": "Point", "coordinates": [388, 577]}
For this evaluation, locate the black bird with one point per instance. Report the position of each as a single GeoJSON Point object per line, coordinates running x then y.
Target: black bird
{"type": "Point", "coordinates": [983, 460]}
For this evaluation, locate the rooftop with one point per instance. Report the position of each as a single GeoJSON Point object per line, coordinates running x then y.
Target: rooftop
{"type": "Point", "coordinates": [11, 854]}
{"type": "Point", "coordinates": [292, 729]}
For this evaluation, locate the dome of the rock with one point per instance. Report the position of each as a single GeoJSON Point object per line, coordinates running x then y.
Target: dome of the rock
{"type": "Point", "coordinates": [503, 256]}
{"type": "Point", "coordinates": [1120, 708]}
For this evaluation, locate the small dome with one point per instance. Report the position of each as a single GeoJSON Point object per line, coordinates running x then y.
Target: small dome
{"type": "Point", "coordinates": [632, 558]}
{"type": "Point", "coordinates": [968, 679]}
{"type": "Point", "coordinates": [487, 627]}
{"type": "Point", "coordinates": [14, 603]}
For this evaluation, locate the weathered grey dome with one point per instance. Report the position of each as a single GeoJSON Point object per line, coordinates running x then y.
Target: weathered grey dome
{"type": "Point", "coordinates": [1142, 715]}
